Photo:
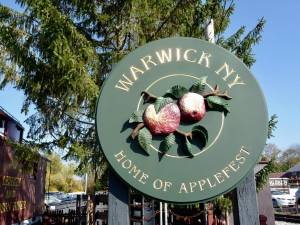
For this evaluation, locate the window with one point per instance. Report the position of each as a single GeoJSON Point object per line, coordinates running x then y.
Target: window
{"type": "Point", "coordinates": [2, 126]}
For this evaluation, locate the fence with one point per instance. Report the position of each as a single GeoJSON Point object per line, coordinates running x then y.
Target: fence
{"type": "Point", "coordinates": [92, 210]}
{"type": "Point", "coordinates": [88, 210]}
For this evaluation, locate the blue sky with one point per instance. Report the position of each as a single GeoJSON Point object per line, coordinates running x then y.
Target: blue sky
{"type": "Point", "coordinates": [276, 69]}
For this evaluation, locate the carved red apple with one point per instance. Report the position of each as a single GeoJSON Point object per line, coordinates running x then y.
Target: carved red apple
{"type": "Point", "coordinates": [192, 107]}
{"type": "Point", "coordinates": [165, 121]}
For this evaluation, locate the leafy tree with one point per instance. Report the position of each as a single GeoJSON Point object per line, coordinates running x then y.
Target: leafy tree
{"type": "Point", "coordinates": [270, 154]}
{"type": "Point", "coordinates": [271, 151]}
{"type": "Point", "coordinates": [282, 160]}
{"type": "Point", "coordinates": [59, 52]}
{"type": "Point", "coordinates": [62, 177]}
{"type": "Point", "coordinates": [290, 157]}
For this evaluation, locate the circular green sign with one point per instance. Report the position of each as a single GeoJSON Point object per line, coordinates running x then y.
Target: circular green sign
{"type": "Point", "coordinates": [181, 120]}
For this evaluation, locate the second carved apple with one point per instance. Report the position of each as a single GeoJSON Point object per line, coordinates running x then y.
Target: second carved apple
{"type": "Point", "coordinates": [192, 107]}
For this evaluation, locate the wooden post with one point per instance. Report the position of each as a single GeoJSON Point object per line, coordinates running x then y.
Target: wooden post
{"type": "Point", "coordinates": [118, 198]}
{"type": "Point", "coordinates": [245, 210]}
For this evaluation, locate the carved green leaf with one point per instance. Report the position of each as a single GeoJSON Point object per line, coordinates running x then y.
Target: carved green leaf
{"type": "Point", "coordinates": [177, 91]}
{"type": "Point", "coordinates": [161, 102]}
{"type": "Point", "coordinates": [168, 142]}
{"type": "Point", "coordinates": [217, 104]}
{"type": "Point", "coordinates": [201, 133]}
{"type": "Point", "coordinates": [145, 139]}
{"type": "Point", "coordinates": [136, 117]}
{"type": "Point", "coordinates": [188, 147]}
{"type": "Point", "coordinates": [199, 86]}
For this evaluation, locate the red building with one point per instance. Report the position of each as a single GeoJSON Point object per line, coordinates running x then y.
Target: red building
{"type": "Point", "coordinates": [21, 191]}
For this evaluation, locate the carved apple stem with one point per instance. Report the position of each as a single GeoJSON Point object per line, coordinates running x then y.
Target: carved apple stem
{"type": "Point", "coordinates": [135, 131]}
{"type": "Point", "coordinates": [216, 92]}
{"type": "Point", "coordinates": [185, 134]}
{"type": "Point", "coordinates": [148, 98]}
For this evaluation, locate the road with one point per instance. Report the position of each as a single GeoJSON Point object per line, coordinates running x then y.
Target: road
{"type": "Point", "coordinates": [284, 223]}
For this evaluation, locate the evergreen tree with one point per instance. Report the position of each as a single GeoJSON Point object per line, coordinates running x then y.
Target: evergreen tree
{"type": "Point", "coordinates": [59, 52]}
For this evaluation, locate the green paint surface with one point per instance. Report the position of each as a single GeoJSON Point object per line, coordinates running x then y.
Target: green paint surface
{"type": "Point", "coordinates": [235, 141]}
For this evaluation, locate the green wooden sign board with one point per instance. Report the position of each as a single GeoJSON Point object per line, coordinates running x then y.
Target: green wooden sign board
{"type": "Point", "coordinates": [181, 120]}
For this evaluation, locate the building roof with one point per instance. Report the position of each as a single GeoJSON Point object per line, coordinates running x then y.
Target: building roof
{"type": "Point", "coordinates": [295, 168]}
{"type": "Point", "coordinates": [10, 117]}
{"type": "Point", "coordinates": [276, 175]}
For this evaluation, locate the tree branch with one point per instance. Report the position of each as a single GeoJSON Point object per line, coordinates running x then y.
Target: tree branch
{"type": "Point", "coordinates": [216, 92]}
{"type": "Point", "coordinates": [166, 20]}
{"type": "Point", "coordinates": [78, 120]}
{"type": "Point", "coordinates": [185, 134]}
{"type": "Point", "coordinates": [135, 132]}
{"type": "Point", "coordinates": [148, 97]}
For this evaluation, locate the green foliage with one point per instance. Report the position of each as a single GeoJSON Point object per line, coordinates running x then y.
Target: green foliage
{"type": "Point", "coordinates": [278, 161]}
{"type": "Point", "coordinates": [187, 146]}
{"type": "Point", "coordinates": [201, 133]}
{"type": "Point", "coordinates": [168, 142]}
{"type": "Point", "coordinates": [177, 91]}
{"type": "Point", "coordinates": [271, 151]}
{"type": "Point", "coordinates": [199, 86]}
{"type": "Point", "coordinates": [26, 155]}
{"type": "Point", "coordinates": [102, 183]}
{"type": "Point", "coordinates": [145, 139]}
{"type": "Point", "coordinates": [289, 158]}
{"type": "Point", "coordinates": [136, 117]}
{"type": "Point", "coordinates": [222, 205]}
{"type": "Point", "coordinates": [262, 177]}
{"type": "Point", "coordinates": [217, 103]}
{"type": "Point", "coordinates": [60, 52]}
{"type": "Point", "coordinates": [272, 125]}
{"type": "Point", "coordinates": [273, 165]}
{"type": "Point", "coordinates": [242, 47]}
{"type": "Point", "coordinates": [161, 102]}
{"type": "Point", "coordinates": [61, 176]}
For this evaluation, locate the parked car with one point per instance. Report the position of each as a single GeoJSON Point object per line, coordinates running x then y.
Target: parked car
{"type": "Point", "coordinates": [57, 194]}
{"type": "Point", "coordinates": [51, 199]}
{"type": "Point", "coordinates": [282, 199]}
{"type": "Point", "coordinates": [68, 198]}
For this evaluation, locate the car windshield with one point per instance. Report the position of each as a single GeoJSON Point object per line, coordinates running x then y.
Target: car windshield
{"type": "Point", "coordinates": [278, 193]}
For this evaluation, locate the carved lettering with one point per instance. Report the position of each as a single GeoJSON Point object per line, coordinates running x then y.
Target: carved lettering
{"type": "Point", "coordinates": [163, 56]}
{"type": "Point", "coordinates": [148, 60]}
{"type": "Point", "coordinates": [183, 189]}
{"type": "Point", "coordinates": [124, 84]}
{"type": "Point", "coordinates": [134, 71]}
{"type": "Point", "coordinates": [143, 178]}
{"type": "Point", "coordinates": [120, 156]}
{"type": "Point", "coordinates": [228, 73]}
{"type": "Point", "coordinates": [204, 57]}
{"type": "Point", "coordinates": [187, 54]}
{"type": "Point", "coordinates": [135, 171]}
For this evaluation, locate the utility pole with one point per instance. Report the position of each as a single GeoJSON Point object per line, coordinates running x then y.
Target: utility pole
{"type": "Point", "coordinates": [210, 31]}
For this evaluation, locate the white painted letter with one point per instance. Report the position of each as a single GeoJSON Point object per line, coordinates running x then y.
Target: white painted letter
{"type": "Point", "coordinates": [147, 59]}
{"type": "Point", "coordinates": [163, 56]}
{"type": "Point", "coordinates": [124, 83]}
{"type": "Point", "coordinates": [119, 156]}
{"type": "Point", "coordinates": [135, 70]}
{"type": "Point", "coordinates": [205, 56]}
{"type": "Point", "coordinates": [185, 55]}
{"type": "Point", "coordinates": [183, 188]}
{"type": "Point", "coordinates": [236, 81]}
